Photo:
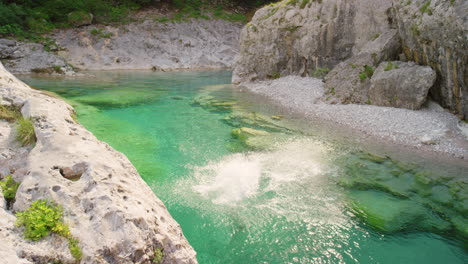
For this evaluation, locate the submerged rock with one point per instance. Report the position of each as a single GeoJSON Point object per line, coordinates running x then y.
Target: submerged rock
{"type": "Point", "coordinates": [118, 98]}
{"type": "Point", "coordinates": [401, 84]}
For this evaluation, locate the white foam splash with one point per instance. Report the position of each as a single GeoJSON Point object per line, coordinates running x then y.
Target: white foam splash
{"type": "Point", "coordinates": [239, 176]}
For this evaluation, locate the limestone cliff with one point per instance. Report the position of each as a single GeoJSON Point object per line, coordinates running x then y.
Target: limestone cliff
{"type": "Point", "coordinates": [115, 216]}
{"type": "Point", "coordinates": [305, 37]}
{"type": "Point", "coordinates": [298, 37]}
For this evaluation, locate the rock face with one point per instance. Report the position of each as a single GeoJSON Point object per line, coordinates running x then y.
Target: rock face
{"type": "Point", "coordinates": [152, 45]}
{"type": "Point", "coordinates": [401, 84]}
{"type": "Point", "coordinates": [299, 37]}
{"type": "Point", "coordinates": [349, 81]}
{"type": "Point", "coordinates": [108, 207]}
{"type": "Point", "coordinates": [31, 57]}
{"type": "Point", "coordinates": [434, 33]}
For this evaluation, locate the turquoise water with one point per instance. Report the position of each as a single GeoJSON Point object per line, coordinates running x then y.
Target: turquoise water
{"type": "Point", "coordinates": [279, 194]}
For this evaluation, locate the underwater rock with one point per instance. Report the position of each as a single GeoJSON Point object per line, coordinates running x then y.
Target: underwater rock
{"type": "Point", "coordinates": [386, 213]}
{"type": "Point", "coordinates": [118, 99]}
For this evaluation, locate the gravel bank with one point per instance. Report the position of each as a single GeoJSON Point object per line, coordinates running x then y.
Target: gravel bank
{"type": "Point", "coordinates": [429, 129]}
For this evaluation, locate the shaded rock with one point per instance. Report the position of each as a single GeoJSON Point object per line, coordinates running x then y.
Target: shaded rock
{"type": "Point", "coordinates": [349, 81]}
{"type": "Point", "coordinates": [401, 84]}
{"type": "Point", "coordinates": [74, 173]}
{"type": "Point", "coordinates": [299, 37]}
{"type": "Point", "coordinates": [434, 34]}
{"type": "Point", "coordinates": [33, 58]}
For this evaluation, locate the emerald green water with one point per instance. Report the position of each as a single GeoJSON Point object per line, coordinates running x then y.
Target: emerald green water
{"type": "Point", "coordinates": [290, 197]}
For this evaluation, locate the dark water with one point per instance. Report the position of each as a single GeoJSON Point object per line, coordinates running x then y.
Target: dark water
{"type": "Point", "coordinates": [281, 196]}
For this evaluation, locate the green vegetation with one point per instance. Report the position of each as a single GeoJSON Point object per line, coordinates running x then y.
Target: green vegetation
{"type": "Point", "coordinates": [304, 3]}
{"type": "Point", "coordinates": [158, 256]}
{"type": "Point", "coordinates": [100, 33]}
{"type": "Point", "coordinates": [425, 8]}
{"type": "Point", "coordinates": [25, 131]}
{"type": "Point", "coordinates": [44, 217]}
{"type": "Point", "coordinates": [320, 72]}
{"type": "Point", "coordinates": [9, 188]}
{"type": "Point", "coordinates": [9, 113]}
{"type": "Point", "coordinates": [366, 73]}
{"type": "Point", "coordinates": [28, 19]}
{"type": "Point", "coordinates": [390, 66]}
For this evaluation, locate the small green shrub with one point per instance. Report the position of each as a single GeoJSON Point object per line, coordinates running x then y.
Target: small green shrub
{"type": "Point", "coordinates": [304, 3]}
{"type": "Point", "coordinates": [158, 256]}
{"type": "Point", "coordinates": [74, 248]}
{"type": "Point", "coordinates": [25, 131]}
{"type": "Point", "coordinates": [390, 66]}
{"type": "Point", "coordinates": [9, 188]}
{"type": "Point", "coordinates": [366, 73]}
{"type": "Point", "coordinates": [320, 72]}
{"type": "Point", "coordinates": [425, 8]}
{"type": "Point", "coordinates": [9, 113]}
{"type": "Point", "coordinates": [44, 217]}
{"type": "Point", "coordinates": [40, 219]}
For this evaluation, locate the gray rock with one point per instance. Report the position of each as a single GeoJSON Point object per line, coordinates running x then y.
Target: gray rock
{"type": "Point", "coordinates": [7, 42]}
{"type": "Point", "coordinates": [401, 84]}
{"type": "Point", "coordinates": [434, 33]}
{"type": "Point", "coordinates": [349, 81]}
{"type": "Point", "coordinates": [193, 44]}
{"type": "Point", "coordinates": [289, 38]}
{"type": "Point", "coordinates": [32, 57]}
{"type": "Point", "coordinates": [111, 211]}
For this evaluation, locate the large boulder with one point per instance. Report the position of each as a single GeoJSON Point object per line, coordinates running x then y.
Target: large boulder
{"type": "Point", "coordinates": [349, 81]}
{"type": "Point", "coordinates": [7, 48]}
{"type": "Point", "coordinates": [434, 33]}
{"type": "Point", "coordinates": [34, 58]}
{"type": "Point", "coordinates": [401, 84]}
{"type": "Point", "coordinates": [301, 37]}
{"type": "Point", "coordinates": [108, 207]}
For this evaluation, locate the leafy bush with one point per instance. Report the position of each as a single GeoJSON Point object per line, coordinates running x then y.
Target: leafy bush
{"type": "Point", "coordinates": [25, 131]}
{"type": "Point", "coordinates": [158, 256]}
{"type": "Point", "coordinates": [42, 218]}
{"type": "Point", "coordinates": [9, 188]}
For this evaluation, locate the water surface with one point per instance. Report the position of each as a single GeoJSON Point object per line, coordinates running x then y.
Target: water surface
{"type": "Point", "coordinates": [289, 196]}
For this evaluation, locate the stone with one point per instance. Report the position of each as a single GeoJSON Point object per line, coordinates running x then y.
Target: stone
{"type": "Point", "coordinates": [349, 81]}
{"type": "Point", "coordinates": [7, 42]}
{"type": "Point", "coordinates": [30, 57]}
{"type": "Point", "coordinates": [289, 38]}
{"type": "Point", "coordinates": [149, 44]}
{"type": "Point", "coordinates": [401, 84]}
{"type": "Point", "coordinates": [436, 37]}
{"type": "Point", "coordinates": [386, 213]}
{"type": "Point", "coordinates": [113, 213]}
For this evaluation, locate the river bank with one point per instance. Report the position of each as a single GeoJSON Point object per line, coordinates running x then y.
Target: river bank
{"type": "Point", "coordinates": [429, 130]}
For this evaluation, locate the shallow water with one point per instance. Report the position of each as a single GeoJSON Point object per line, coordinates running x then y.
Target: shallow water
{"type": "Point", "coordinates": [291, 196]}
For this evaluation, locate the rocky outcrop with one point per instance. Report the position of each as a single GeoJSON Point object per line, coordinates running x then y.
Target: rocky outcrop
{"type": "Point", "coordinates": [23, 58]}
{"type": "Point", "coordinates": [111, 211]}
{"type": "Point", "coordinates": [152, 45]}
{"type": "Point", "coordinates": [303, 37]}
{"type": "Point", "coordinates": [299, 37]}
{"type": "Point", "coordinates": [434, 33]}
{"type": "Point", "coordinates": [349, 81]}
{"type": "Point", "coordinates": [401, 84]}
